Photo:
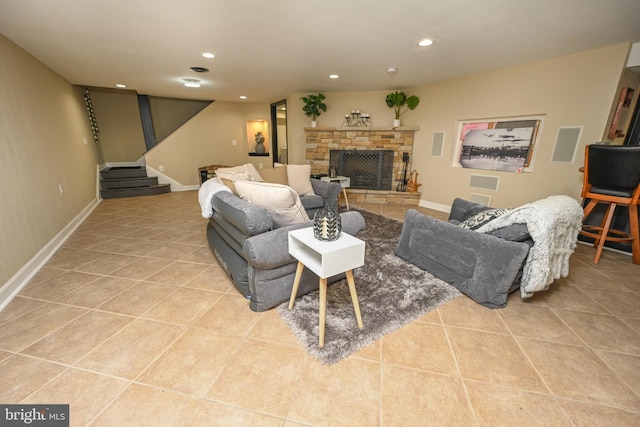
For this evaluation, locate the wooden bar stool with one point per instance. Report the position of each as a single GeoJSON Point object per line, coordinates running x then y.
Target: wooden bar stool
{"type": "Point", "coordinates": [612, 177]}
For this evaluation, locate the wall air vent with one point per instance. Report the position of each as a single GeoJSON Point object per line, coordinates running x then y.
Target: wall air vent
{"type": "Point", "coordinates": [482, 199]}
{"type": "Point", "coordinates": [486, 182]}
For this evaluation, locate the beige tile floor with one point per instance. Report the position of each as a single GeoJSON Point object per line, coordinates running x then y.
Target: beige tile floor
{"type": "Point", "coordinates": [132, 322]}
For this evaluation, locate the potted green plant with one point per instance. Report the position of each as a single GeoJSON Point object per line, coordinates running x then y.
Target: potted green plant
{"type": "Point", "coordinates": [313, 106]}
{"type": "Point", "coordinates": [397, 100]}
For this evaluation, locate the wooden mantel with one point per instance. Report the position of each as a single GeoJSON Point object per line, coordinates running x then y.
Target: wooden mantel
{"type": "Point", "coordinates": [363, 129]}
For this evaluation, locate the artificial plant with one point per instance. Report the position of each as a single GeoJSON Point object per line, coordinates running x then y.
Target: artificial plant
{"type": "Point", "coordinates": [313, 105]}
{"type": "Point", "coordinates": [397, 100]}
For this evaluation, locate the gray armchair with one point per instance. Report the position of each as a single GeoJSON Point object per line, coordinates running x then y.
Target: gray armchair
{"type": "Point", "coordinates": [485, 267]}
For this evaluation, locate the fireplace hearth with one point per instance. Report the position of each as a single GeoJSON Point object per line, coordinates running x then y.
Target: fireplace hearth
{"type": "Point", "coordinates": [367, 169]}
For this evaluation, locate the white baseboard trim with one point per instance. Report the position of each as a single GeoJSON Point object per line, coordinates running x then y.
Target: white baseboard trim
{"type": "Point", "coordinates": [164, 179]}
{"type": "Point", "coordinates": [606, 248]}
{"type": "Point", "coordinates": [435, 206]}
{"type": "Point", "coordinates": [98, 169]}
{"type": "Point", "coordinates": [13, 286]}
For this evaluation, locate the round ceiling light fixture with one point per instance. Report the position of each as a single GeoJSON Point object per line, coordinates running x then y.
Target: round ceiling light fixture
{"type": "Point", "coordinates": [191, 82]}
{"type": "Point", "coordinates": [425, 42]}
{"type": "Point", "coordinates": [200, 69]}
{"type": "Point", "coordinates": [120, 85]}
{"type": "Point", "coordinates": [392, 71]}
{"type": "Point", "coordinates": [208, 55]}
{"type": "Point", "coordinates": [333, 76]}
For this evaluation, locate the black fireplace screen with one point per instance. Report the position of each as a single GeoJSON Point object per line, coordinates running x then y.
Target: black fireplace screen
{"type": "Point", "coordinates": [368, 169]}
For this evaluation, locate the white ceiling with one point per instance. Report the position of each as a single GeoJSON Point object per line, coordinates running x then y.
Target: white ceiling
{"type": "Point", "coordinates": [267, 49]}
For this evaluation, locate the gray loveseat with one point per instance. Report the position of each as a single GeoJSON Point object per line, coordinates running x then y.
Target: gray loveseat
{"type": "Point", "coordinates": [255, 255]}
{"type": "Point", "coordinates": [485, 267]}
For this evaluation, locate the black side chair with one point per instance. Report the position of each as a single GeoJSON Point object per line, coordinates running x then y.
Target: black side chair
{"type": "Point", "coordinates": [612, 176]}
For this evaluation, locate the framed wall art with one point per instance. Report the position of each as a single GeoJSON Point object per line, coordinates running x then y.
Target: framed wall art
{"type": "Point", "coordinates": [505, 144]}
{"type": "Point", "coordinates": [621, 114]}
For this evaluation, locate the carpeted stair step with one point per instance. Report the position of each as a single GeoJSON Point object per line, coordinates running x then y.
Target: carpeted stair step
{"type": "Point", "coordinates": [116, 172]}
{"type": "Point", "coordinates": [110, 184]}
{"type": "Point", "coordinates": [129, 181]}
{"type": "Point", "coordinates": [136, 191]}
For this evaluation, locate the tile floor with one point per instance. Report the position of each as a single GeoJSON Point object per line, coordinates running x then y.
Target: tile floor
{"type": "Point", "coordinates": [132, 322]}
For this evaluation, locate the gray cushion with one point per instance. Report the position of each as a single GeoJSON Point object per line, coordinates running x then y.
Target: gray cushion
{"type": "Point", "coordinates": [311, 201]}
{"type": "Point", "coordinates": [271, 250]}
{"type": "Point", "coordinates": [481, 266]}
{"type": "Point", "coordinates": [512, 233]}
{"type": "Point", "coordinates": [248, 218]}
{"type": "Point", "coordinates": [462, 209]}
{"type": "Point", "coordinates": [272, 269]}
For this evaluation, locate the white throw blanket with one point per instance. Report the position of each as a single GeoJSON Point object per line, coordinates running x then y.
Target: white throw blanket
{"type": "Point", "coordinates": [206, 193]}
{"type": "Point", "coordinates": [553, 224]}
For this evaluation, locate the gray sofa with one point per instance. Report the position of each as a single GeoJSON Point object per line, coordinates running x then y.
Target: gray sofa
{"type": "Point", "coordinates": [485, 267]}
{"type": "Point", "coordinates": [256, 256]}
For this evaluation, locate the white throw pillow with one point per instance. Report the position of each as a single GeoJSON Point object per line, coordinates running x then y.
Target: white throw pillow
{"type": "Point", "coordinates": [282, 202]}
{"type": "Point", "coordinates": [247, 167]}
{"type": "Point", "coordinates": [233, 176]}
{"type": "Point", "coordinates": [299, 177]}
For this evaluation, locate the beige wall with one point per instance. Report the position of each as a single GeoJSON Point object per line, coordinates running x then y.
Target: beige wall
{"type": "Point", "coordinates": [43, 121]}
{"type": "Point", "coordinates": [118, 117]}
{"type": "Point", "coordinates": [207, 139]}
{"type": "Point", "coordinates": [338, 104]}
{"type": "Point", "coordinates": [575, 90]}
{"type": "Point", "coordinates": [169, 114]}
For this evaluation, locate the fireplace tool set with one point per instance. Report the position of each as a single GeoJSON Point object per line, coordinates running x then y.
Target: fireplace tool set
{"type": "Point", "coordinates": [402, 186]}
{"type": "Point", "coordinates": [411, 185]}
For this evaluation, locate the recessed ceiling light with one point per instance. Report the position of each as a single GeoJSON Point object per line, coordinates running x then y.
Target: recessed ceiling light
{"type": "Point", "coordinates": [333, 76]}
{"type": "Point", "coordinates": [200, 69]}
{"type": "Point", "coordinates": [425, 42]}
{"type": "Point", "coordinates": [243, 97]}
{"type": "Point", "coordinates": [120, 85]}
{"type": "Point", "coordinates": [191, 82]}
{"type": "Point", "coordinates": [208, 55]}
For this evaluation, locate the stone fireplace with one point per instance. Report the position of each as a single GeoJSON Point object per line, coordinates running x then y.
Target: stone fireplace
{"type": "Point", "coordinates": [322, 141]}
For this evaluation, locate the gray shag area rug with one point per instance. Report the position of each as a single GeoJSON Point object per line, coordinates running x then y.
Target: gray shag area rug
{"type": "Point", "coordinates": [391, 292]}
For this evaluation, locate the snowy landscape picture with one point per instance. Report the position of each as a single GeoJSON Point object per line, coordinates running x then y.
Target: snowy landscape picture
{"type": "Point", "coordinates": [485, 146]}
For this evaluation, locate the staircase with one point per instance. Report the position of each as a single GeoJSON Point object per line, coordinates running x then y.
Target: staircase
{"type": "Point", "coordinates": [129, 181]}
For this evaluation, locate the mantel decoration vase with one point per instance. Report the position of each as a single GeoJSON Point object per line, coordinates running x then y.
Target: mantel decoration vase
{"type": "Point", "coordinates": [327, 224]}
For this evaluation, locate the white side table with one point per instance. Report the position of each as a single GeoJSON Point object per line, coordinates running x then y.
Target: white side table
{"type": "Point", "coordinates": [344, 181]}
{"type": "Point", "coordinates": [326, 259]}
